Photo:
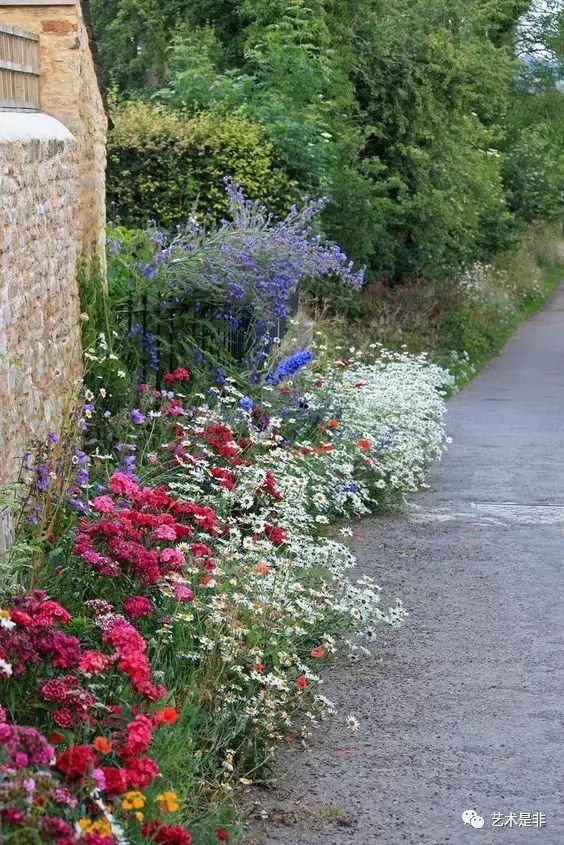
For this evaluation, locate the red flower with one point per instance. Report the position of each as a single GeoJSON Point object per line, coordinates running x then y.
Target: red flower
{"type": "Point", "coordinates": [301, 682]}
{"type": "Point", "coordinates": [76, 761]}
{"type": "Point", "coordinates": [138, 737]}
{"type": "Point", "coordinates": [166, 834]}
{"type": "Point", "coordinates": [117, 781]}
{"type": "Point", "coordinates": [275, 535]}
{"type": "Point", "coordinates": [166, 716]}
{"type": "Point", "coordinates": [136, 606]}
{"type": "Point", "coordinates": [180, 374]}
{"type": "Point", "coordinates": [63, 717]}
{"type": "Point", "coordinates": [222, 834]}
{"type": "Point", "coordinates": [142, 772]}
{"type": "Point", "coordinates": [225, 478]}
{"type": "Point", "coordinates": [364, 444]}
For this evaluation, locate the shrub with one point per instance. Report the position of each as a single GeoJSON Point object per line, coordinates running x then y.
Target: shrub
{"type": "Point", "coordinates": [164, 165]}
{"type": "Point", "coordinates": [534, 173]}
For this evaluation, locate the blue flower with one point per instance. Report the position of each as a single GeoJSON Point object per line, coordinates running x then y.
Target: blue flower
{"type": "Point", "coordinates": [137, 417]}
{"type": "Point", "coordinates": [246, 404]}
{"type": "Point", "coordinates": [289, 366]}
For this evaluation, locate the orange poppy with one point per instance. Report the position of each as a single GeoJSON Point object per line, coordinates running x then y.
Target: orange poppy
{"type": "Point", "coordinates": [167, 716]}
{"type": "Point", "coordinates": [102, 745]}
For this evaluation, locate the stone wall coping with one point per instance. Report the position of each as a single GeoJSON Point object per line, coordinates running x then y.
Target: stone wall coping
{"type": "Point", "coordinates": [22, 126]}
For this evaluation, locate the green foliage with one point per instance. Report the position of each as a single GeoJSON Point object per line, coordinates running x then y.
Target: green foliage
{"type": "Point", "coordinates": [435, 127]}
{"type": "Point", "coordinates": [164, 165]}
{"type": "Point", "coordinates": [534, 173]}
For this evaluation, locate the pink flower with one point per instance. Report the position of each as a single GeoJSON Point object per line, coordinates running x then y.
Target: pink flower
{"type": "Point", "coordinates": [164, 532]}
{"type": "Point", "coordinates": [94, 662]}
{"type": "Point", "coordinates": [103, 504]}
{"type": "Point", "coordinates": [123, 485]}
{"type": "Point", "coordinates": [183, 593]}
{"type": "Point", "coordinates": [99, 778]}
{"type": "Point", "coordinates": [173, 557]}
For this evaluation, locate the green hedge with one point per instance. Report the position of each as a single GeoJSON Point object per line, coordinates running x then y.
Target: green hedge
{"type": "Point", "coordinates": [164, 166]}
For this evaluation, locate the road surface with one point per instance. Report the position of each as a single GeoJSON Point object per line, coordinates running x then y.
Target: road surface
{"type": "Point", "coordinates": [463, 707]}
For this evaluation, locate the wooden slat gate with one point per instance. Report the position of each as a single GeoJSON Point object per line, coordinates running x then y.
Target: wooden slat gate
{"type": "Point", "coordinates": [19, 69]}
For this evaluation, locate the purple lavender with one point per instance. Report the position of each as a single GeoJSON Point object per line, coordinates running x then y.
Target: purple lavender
{"type": "Point", "coordinates": [251, 261]}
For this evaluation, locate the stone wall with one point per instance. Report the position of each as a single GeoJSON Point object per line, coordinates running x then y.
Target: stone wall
{"type": "Point", "coordinates": [52, 218]}
{"type": "Point", "coordinates": [40, 358]}
{"type": "Point", "coordinates": [69, 91]}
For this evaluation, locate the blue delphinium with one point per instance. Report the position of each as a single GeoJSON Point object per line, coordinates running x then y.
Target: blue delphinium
{"type": "Point", "coordinates": [289, 366]}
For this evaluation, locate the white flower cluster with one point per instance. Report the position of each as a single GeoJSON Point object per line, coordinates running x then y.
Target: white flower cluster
{"type": "Point", "coordinates": [284, 588]}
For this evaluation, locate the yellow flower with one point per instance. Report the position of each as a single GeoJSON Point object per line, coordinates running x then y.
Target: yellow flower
{"type": "Point", "coordinates": [101, 826]}
{"type": "Point", "coordinates": [168, 802]}
{"type": "Point", "coordinates": [140, 817]}
{"type": "Point", "coordinates": [133, 800]}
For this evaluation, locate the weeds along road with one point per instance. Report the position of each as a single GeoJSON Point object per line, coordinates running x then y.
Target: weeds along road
{"type": "Point", "coordinates": [463, 707]}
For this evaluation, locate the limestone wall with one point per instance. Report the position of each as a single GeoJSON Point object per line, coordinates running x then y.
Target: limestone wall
{"type": "Point", "coordinates": [52, 218]}
{"type": "Point", "coordinates": [40, 357]}
{"type": "Point", "coordinates": [70, 92]}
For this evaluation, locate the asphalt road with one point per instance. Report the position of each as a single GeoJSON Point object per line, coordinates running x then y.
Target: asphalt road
{"type": "Point", "coordinates": [463, 707]}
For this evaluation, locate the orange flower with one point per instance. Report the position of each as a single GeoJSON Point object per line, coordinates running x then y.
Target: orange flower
{"type": "Point", "coordinates": [259, 667]}
{"type": "Point", "coordinates": [364, 444]}
{"type": "Point", "coordinates": [301, 682]}
{"type": "Point", "coordinates": [262, 568]}
{"type": "Point", "coordinates": [317, 652]}
{"type": "Point", "coordinates": [166, 716]}
{"type": "Point", "coordinates": [102, 745]}
{"type": "Point", "coordinates": [334, 424]}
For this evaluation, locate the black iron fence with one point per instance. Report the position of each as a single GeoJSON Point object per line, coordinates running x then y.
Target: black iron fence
{"type": "Point", "coordinates": [160, 335]}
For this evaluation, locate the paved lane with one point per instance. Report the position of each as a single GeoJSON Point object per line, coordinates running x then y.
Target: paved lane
{"type": "Point", "coordinates": [462, 708]}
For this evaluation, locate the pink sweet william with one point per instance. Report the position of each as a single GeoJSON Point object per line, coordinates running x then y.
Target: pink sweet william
{"type": "Point", "coordinates": [173, 558]}
{"type": "Point", "coordinates": [164, 532]}
{"type": "Point", "coordinates": [136, 606]}
{"type": "Point", "coordinates": [94, 662]}
{"type": "Point", "coordinates": [121, 484]}
{"type": "Point", "coordinates": [183, 593]}
{"type": "Point", "coordinates": [103, 504]}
